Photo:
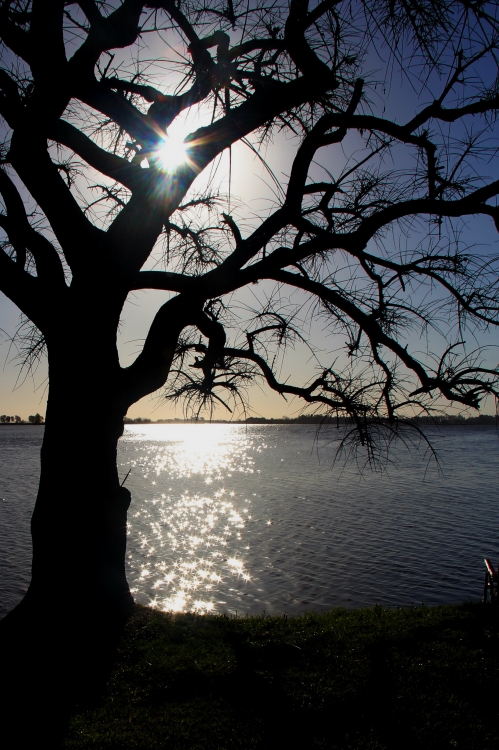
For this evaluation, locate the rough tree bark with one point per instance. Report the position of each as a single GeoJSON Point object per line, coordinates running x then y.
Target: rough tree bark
{"type": "Point", "coordinates": [57, 645]}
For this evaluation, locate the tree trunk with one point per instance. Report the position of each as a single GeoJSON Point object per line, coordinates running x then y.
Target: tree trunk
{"type": "Point", "coordinates": [57, 645]}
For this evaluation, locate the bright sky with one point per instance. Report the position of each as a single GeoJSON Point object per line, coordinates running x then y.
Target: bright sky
{"type": "Point", "coordinates": [249, 180]}
{"type": "Point", "coordinates": [27, 395]}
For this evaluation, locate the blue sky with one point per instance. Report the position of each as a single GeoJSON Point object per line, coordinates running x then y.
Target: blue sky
{"type": "Point", "coordinates": [251, 183]}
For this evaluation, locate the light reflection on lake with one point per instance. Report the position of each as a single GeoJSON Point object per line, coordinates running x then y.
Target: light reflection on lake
{"type": "Point", "coordinates": [234, 518]}
{"type": "Point", "coordinates": [185, 546]}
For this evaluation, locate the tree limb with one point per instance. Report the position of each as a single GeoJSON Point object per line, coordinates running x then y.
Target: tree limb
{"type": "Point", "coordinates": [150, 369]}
{"type": "Point", "coordinates": [107, 163]}
{"type": "Point", "coordinates": [22, 236]}
{"type": "Point", "coordinates": [79, 238]}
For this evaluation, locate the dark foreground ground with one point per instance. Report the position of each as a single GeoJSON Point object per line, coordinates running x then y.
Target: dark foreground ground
{"type": "Point", "coordinates": [425, 678]}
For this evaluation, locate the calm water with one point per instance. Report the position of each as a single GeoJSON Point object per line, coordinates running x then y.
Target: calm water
{"type": "Point", "coordinates": [232, 518]}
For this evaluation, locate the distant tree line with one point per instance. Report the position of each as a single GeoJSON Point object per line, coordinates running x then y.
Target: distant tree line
{"type": "Point", "coordinates": [458, 419]}
{"type": "Point", "coordinates": [443, 419]}
{"type": "Point", "coordinates": [32, 419]}
{"type": "Point", "coordinates": [36, 419]}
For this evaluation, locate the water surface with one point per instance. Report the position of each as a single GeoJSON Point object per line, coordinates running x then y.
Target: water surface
{"type": "Point", "coordinates": [233, 518]}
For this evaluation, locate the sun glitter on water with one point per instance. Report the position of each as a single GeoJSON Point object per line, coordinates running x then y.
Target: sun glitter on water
{"type": "Point", "coordinates": [189, 549]}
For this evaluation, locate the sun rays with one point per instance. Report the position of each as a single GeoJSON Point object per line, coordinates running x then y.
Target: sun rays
{"type": "Point", "coordinates": [172, 153]}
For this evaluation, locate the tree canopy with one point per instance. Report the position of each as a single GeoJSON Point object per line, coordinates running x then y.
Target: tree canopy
{"type": "Point", "coordinates": [389, 108]}
{"type": "Point", "coordinates": [383, 114]}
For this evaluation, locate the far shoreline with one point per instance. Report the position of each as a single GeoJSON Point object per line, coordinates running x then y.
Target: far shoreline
{"type": "Point", "coordinates": [483, 420]}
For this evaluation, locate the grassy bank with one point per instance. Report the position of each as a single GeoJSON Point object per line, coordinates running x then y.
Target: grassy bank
{"type": "Point", "coordinates": [426, 677]}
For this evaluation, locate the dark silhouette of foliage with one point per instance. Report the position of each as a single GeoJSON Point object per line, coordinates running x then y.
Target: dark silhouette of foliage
{"type": "Point", "coordinates": [35, 419]}
{"type": "Point", "coordinates": [364, 247]}
{"type": "Point", "coordinates": [388, 109]}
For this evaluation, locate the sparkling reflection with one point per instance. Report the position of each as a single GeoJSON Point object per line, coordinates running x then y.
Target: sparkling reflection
{"type": "Point", "coordinates": [186, 548]}
{"type": "Point", "coordinates": [298, 528]}
{"type": "Point", "coordinates": [237, 519]}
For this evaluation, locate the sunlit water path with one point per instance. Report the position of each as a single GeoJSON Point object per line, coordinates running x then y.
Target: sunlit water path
{"type": "Point", "coordinates": [242, 519]}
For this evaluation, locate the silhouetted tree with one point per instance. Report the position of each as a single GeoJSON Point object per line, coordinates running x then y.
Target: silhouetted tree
{"type": "Point", "coordinates": [35, 419]}
{"type": "Point", "coordinates": [366, 232]}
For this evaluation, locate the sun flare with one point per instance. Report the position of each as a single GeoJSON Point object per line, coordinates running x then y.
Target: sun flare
{"type": "Point", "coordinates": [172, 153]}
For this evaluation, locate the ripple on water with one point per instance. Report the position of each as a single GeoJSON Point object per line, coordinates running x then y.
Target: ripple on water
{"type": "Point", "coordinates": [233, 518]}
{"type": "Point", "coordinates": [284, 532]}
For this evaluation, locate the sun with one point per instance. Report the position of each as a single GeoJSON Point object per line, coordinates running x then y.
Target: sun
{"type": "Point", "coordinates": [172, 153]}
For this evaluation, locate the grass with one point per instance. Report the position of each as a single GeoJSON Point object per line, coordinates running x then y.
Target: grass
{"type": "Point", "coordinates": [368, 679]}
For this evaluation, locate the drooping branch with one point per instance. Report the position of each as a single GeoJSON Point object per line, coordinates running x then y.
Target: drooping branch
{"type": "Point", "coordinates": [23, 236]}
{"type": "Point", "coordinates": [356, 241]}
{"type": "Point", "coordinates": [331, 397]}
{"type": "Point", "coordinates": [471, 204]}
{"type": "Point", "coordinates": [24, 290]}
{"type": "Point", "coordinates": [377, 337]}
